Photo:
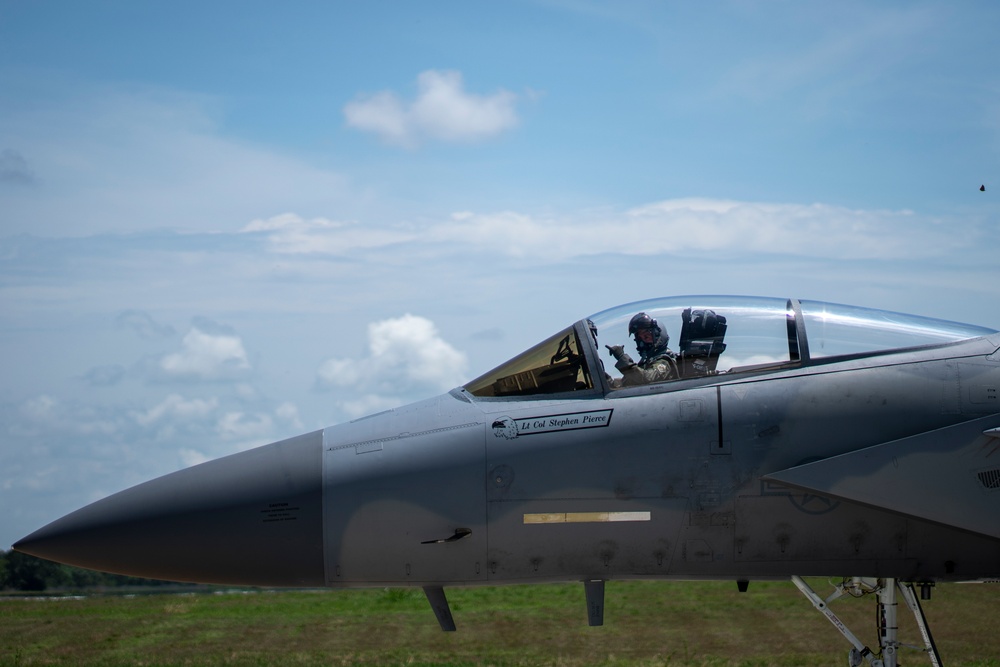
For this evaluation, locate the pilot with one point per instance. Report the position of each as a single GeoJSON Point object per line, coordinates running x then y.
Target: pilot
{"type": "Point", "coordinates": [656, 361]}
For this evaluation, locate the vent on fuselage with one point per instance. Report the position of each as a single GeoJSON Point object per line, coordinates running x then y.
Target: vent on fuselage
{"type": "Point", "coordinates": [990, 478]}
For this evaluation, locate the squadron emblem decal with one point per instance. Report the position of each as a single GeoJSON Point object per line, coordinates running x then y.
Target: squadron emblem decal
{"type": "Point", "coordinates": [510, 428]}
{"type": "Point", "coordinates": [505, 427]}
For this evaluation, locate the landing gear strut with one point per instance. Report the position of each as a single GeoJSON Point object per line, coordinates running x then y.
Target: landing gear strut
{"type": "Point", "coordinates": [885, 590]}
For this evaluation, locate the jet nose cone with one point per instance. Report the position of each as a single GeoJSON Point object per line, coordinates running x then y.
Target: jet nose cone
{"type": "Point", "coordinates": [253, 518]}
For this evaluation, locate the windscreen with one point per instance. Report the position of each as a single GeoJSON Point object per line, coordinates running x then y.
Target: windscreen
{"type": "Point", "coordinates": [555, 365]}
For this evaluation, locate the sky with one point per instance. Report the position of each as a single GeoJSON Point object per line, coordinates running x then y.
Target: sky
{"type": "Point", "coordinates": [223, 224]}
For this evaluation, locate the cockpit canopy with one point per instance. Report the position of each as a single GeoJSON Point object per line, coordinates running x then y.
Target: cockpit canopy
{"type": "Point", "coordinates": [711, 336]}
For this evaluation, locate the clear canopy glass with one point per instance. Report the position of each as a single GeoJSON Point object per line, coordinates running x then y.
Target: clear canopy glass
{"type": "Point", "coordinates": [708, 336]}
{"type": "Point", "coordinates": [836, 330]}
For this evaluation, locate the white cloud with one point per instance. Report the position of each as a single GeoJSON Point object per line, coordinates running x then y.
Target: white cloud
{"type": "Point", "coordinates": [383, 114]}
{"type": "Point", "coordinates": [369, 404]}
{"type": "Point", "coordinates": [289, 413]}
{"type": "Point", "coordinates": [404, 353]}
{"type": "Point", "coordinates": [670, 228]}
{"type": "Point", "coordinates": [678, 227]}
{"type": "Point", "coordinates": [192, 457]}
{"type": "Point", "coordinates": [442, 110]}
{"type": "Point", "coordinates": [45, 414]}
{"type": "Point", "coordinates": [252, 430]}
{"type": "Point", "coordinates": [290, 233]}
{"type": "Point", "coordinates": [207, 356]}
{"type": "Point", "coordinates": [39, 409]}
{"type": "Point", "coordinates": [176, 407]}
{"type": "Point", "coordinates": [285, 221]}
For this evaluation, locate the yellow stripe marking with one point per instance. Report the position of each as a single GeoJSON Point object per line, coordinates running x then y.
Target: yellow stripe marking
{"type": "Point", "coordinates": [586, 517]}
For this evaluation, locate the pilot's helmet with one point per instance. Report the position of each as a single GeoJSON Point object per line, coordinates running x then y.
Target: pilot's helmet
{"type": "Point", "coordinates": [660, 337]}
{"type": "Point", "coordinates": [642, 321]}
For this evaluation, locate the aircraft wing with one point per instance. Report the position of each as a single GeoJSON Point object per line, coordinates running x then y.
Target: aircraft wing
{"type": "Point", "coordinates": [949, 476]}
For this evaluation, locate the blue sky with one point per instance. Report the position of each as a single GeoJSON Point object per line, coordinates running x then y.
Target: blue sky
{"type": "Point", "coordinates": [222, 224]}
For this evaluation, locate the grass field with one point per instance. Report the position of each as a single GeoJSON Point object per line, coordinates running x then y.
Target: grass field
{"type": "Point", "coordinates": [684, 624]}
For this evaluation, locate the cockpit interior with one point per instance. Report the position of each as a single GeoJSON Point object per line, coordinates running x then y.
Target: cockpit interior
{"type": "Point", "coordinates": [712, 336]}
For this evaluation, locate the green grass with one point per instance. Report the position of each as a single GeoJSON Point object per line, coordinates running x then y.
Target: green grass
{"type": "Point", "coordinates": [649, 624]}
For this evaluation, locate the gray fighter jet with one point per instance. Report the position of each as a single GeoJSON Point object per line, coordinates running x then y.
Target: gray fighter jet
{"type": "Point", "coordinates": [778, 439]}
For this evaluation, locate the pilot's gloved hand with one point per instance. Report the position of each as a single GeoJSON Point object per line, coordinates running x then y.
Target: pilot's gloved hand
{"type": "Point", "coordinates": [616, 351]}
{"type": "Point", "coordinates": [619, 353]}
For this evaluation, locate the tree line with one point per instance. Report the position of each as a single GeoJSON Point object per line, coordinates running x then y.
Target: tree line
{"type": "Point", "coordinates": [21, 572]}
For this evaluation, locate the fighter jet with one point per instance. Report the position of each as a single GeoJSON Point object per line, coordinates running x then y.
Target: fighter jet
{"type": "Point", "coordinates": [778, 439]}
